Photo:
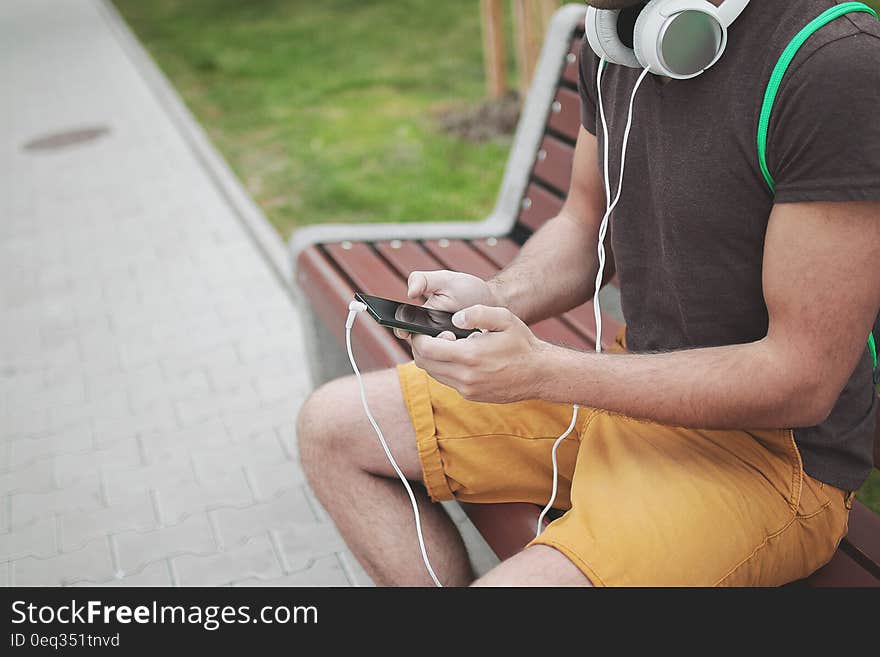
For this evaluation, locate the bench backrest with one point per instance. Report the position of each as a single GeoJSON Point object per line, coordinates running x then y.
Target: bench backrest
{"type": "Point", "coordinates": [551, 172]}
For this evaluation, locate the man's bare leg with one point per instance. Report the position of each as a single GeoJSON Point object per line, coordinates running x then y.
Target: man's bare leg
{"type": "Point", "coordinates": [353, 479]}
{"type": "Point", "coordinates": [539, 565]}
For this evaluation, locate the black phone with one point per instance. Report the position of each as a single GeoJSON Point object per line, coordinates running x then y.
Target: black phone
{"type": "Point", "coordinates": [415, 319]}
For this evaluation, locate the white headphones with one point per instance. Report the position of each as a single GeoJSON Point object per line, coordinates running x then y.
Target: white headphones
{"type": "Point", "coordinates": [675, 38]}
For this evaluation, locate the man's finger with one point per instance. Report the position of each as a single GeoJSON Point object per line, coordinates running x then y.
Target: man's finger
{"type": "Point", "coordinates": [424, 283]}
{"type": "Point", "coordinates": [434, 349]}
{"type": "Point", "coordinates": [483, 317]}
{"type": "Point", "coordinates": [401, 334]}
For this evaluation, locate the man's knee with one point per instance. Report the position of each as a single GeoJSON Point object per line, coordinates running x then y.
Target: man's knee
{"type": "Point", "coordinates": [321, 424]}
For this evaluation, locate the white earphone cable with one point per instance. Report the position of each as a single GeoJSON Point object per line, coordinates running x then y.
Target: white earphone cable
{"type": "Point", "coordinates": [353, 309]}
{"type": "Point", "coordinates": [603, 229]}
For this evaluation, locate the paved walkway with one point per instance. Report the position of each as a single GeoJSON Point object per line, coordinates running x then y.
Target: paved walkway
{"type": "Point", "coordinates": [150, 360]}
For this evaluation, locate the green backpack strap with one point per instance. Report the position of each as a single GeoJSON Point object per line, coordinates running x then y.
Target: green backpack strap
{"type": "Point", "coordinates": [779, 72]}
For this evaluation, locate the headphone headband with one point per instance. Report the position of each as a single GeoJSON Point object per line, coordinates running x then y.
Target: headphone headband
{"type": "Point", "coordinates": [675, 38]}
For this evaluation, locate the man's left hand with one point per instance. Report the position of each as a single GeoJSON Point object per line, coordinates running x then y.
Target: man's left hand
{"type": "Point", "coordinates": [500, 364]}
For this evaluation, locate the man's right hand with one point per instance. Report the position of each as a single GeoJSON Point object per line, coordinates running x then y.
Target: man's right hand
{"type": "Point", "coordinates": [449, 291]}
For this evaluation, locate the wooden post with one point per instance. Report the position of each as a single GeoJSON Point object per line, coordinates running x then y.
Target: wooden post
{"type": "Point", "coordinates": [531, 18]}
{"type": "Point", "coordinates": [493, 48]}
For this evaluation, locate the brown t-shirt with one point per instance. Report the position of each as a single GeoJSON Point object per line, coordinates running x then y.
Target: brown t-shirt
{"type": "Point", "coordinates": [688, 234]}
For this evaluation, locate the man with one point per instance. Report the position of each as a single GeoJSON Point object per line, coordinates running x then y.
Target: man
{"type": "Point", "coordinates": [723, 449]}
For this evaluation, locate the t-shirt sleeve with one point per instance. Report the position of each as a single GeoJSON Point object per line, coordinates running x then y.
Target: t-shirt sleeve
{"type": "Point", "coordinates": [587, 69]}
{"type": "Point", "coordinates": [824, 142]}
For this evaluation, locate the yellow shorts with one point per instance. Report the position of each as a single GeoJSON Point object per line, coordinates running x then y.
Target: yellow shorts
{"type": "Point", "coordinates": [645, 504]}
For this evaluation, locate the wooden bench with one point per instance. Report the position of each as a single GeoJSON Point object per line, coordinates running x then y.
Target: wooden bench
{"type": "Point", "coordinates": [332, 261]}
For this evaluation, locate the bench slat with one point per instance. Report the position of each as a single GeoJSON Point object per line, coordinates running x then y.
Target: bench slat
{"type": "Point", "coordinates": [329, 294]}
{"type": "Point", "coordinates": [581, 318]}
{"type": "Point", "coordinates": [408, 256]}
{"type": "Point", "coordinates": [367, 270]}
{"type": "Point", "coordinates": [842, 570]}
{"type": "Point", "coordinates": [553, 163]}
{"type": "Point", "coordinates": [501, 250]}
{"type": "Point", "coordinates": [863, 537]}
{"type": "Point", "coordinates": [459, 255]}
{"type": "Point", "coordinates": [570, 72]}
{"type": "Point", "coordinates": [565, 114]}
{"type": "Point", "coordinates": [538, 206]}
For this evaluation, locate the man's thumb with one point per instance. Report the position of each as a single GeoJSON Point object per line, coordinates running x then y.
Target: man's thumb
{"type": "Point", "coordinates": [483, 317]}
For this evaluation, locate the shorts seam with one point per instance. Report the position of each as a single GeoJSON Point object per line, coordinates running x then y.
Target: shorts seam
{"type": "Point", "coordinates": [428, 448]}
{"type": "Point", "coordinates": [588, 571]}
{"type": "Point", "coordinates": [770, 537]}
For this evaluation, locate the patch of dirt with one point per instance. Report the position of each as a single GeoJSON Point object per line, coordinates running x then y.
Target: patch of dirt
{"type": "Point", "coordinates": [490, 119]}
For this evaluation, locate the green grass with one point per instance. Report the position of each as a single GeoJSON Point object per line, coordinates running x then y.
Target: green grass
{"type": "Point", "coordinates": [326, 110]}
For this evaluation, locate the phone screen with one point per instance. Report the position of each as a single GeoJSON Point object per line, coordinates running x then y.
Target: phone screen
{"type": "Point", "coordinates": [415, 319]}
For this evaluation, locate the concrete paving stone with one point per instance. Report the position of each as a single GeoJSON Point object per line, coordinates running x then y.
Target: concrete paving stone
{"type": "Point", "coordinates": [178, 502]}
{"type": "Point", "coordinates": [173, 366]}
{"type": "Point", "coordinates": [68, 468]}
{"type": "Point", "coordinates": [4, 574]}
{"type": "Point", "coordinates": [166, 444]}
{"type": "Point", "coordinates": [254, 347]}
{"type": "Point", "coordinates": [66, 441]}
{"type": "Point", "coordinates": [236, 525]}
{"type": "Point", "coordinates": [224, 378]}
{"type": "Point", "coordinates": [12, 381]}
{"type": "Point", "coordinates": [91, 563]}
{"type": "Point", "coordinates": [71, 392]}
{"type": "Point", "coordinates": [318, 511]}
{"type": "Point", "coordinates": [29, 357]}
{"type": "Point", "coordinates": [262, 449]}
{"type": "Point", "coordinates": [272, 479]}
{"type": "Point", "coordinates": [353, 570]}
{"type": "Point", "coordinates": [172, 470]}
{"type": "Point", "coordinates": [5, 452]}
{"type": "Point", "coordinates": [158, 420]}
{"type": "Point", "coordinates": [192, 536]}
{"type": "Point", "coordinates": [154, 574]}
{"type": "Point", "coordinates": [60, 373]}
{"type": "Point", "coordinates": [5, 521]}
{"type": "Point", "coordinates": [24, 423]}
{"type": "Point", "coordinates": [323, 571]}
{"type": "Point", "coordinates": [198, 409]}
{"type": "Point", "coordinates": [144, 395]}
{"type": "Point", "coordinates": [256, 559]}
{"type": "Point", "coordinates": [244, 424]}
{"type": "Point", "coordinates": [135, 513]}
{"type": "Point", "coordinates": [286, 387]}
{"type": "Point", "coordinates": [31, 478]}
{"type": "Point", "coordinates": [37, 539]}
{"type": "Point", "coordinates": [298, 543]}
{"type": "Point", "coordinates": [98, 385]}
{"type": "Point", "coordinates": [111, 405]}
{"type": "Point", "coordinates": [84, 495]}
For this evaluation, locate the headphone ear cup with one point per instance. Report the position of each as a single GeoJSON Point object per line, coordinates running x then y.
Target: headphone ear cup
{"type": "Point", "coordinates": [601, 29]}
{"type": "Point", "coordinates": [640, 31]}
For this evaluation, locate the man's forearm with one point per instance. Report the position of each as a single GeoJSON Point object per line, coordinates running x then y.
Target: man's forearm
{"type": "Point", "coordinates": [554, 272]}
{"type": "Point", "coordinates": [741, 386]}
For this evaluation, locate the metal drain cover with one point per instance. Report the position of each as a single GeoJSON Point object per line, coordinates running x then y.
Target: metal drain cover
{"type": "Point", "coordinates": [66, 138]}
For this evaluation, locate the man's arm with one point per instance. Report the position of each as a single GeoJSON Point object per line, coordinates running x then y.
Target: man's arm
{"type": "Point", "coordinates": [556, 268]}
{"type": "Point", "coordinates": [822, 289]}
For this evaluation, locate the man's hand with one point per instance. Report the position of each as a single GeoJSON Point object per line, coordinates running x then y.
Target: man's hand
{"type": "Point", "coordinates": [501, 365]}
{"type": "Point", "coordinates": [447, 290]}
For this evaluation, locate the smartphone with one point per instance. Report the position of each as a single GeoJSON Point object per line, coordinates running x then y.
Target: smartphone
{"type": "Point", "coordinates": [415, 319]}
